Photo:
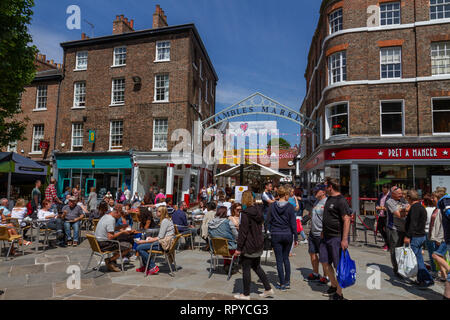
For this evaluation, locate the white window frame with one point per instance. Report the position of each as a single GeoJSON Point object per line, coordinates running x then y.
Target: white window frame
{"type": "Point", "coordinates": [77, 60]}
{"type": "Point", "coordinates": [154, 134]}
{"type": "Point", "coordinates": [37, 139]}
{"type": "Point", "coordinates": [446, 56]}
{"type": "Point", "coordinates": [332, 21]}
{"type": "Point", "coordinates": [78, 136]}
{"type": "Point", "coordinates": [403, 118]}
{"type": "Point", "coordinates": [327, 122]}
{"type": "Point", "coordinates": [157, 51]}
{"type": "Point", "coordinates": [320, 123]}
{"type": "Point", "coordinates": [201, 69]}
{"type": "Point", "coordinates": [76, 104]}
{"type": "Point", "coordinates": [39, 95]}
{"type": "Point", "coordinates": [432, 116]}
{"type": "Point", "coordinates": [116, 148]}
{"type": "Point", "coordinates": [381, 64]}
{"type": "Point", "coordinates": [400, 12]}
{"type": "Point", "coordinates": [200, 99]}
{"type": "Point", "coordinates": [117, 103]}
{"type": "Point", "coordinates": [166, 88]}
{"type": "Point", "coordinates": [342, 75]}
{"type": "Point", "coordinates": [437, 5]}
{"type": "Point", "coordinates": [116, 54]}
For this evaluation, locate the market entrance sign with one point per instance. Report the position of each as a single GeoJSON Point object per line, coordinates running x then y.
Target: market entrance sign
{"type": "Point", "coordinates": [389, 154]}
{"type": "Point", "coordinates": [258, 104]}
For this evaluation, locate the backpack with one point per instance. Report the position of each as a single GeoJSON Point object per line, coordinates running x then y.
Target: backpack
{"type": "Point", "coordinates": [444, 205]}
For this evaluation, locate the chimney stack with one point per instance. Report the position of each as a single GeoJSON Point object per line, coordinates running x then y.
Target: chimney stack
{"type": "Point", "coordinates": [122, 25]}
{"type": "Point", "coordinates": [159, 18]}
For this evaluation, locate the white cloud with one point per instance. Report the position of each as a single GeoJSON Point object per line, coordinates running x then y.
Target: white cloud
{"type": "Point", "coordinates": [47, 41]}
{"type": "Point", "coordinates": [230, 94]}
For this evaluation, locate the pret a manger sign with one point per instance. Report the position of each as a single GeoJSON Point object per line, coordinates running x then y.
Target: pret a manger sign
{"type": "Point", "coordinates": [428, 153]}
{"type": "Point", "coordinates": [415, 153]}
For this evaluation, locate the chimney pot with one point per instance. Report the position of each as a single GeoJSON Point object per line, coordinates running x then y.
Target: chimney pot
{"type": "Point", "coordinates": [52, 62]}
{"type": "Point", "coordinates": [126, 20]}
{"type": "Point", "coordinates": [132, 24]}
{"type": "Point", "coordinates": [44, 57]}
{"type": "Point", "coordinates": [121, 17]}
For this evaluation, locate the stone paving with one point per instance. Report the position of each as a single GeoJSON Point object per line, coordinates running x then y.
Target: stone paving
{"type": "Point", "coordinates": [43, 276]}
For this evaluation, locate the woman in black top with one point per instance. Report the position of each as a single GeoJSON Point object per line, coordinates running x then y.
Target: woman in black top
{"type": "Point", "coordinates": [415, 236]}
{"type": "Point", "coordinates": [250, 245]}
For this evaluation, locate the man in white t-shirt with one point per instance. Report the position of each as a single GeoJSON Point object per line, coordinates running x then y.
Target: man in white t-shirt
{"type": "Point", "coordinates": [127, 194]}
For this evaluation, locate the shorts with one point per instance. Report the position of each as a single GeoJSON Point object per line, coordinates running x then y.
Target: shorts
{"type": "Point", "coordinates": [313, 244]}
{"type": "Point", "coordinates": [330, 251]}
{"type": "Point", "coordinates": [114, 246]}
{"type": "Point", "coordinates": [441, 250]}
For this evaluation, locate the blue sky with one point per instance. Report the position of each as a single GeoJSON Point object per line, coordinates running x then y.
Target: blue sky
{"type": "Point", "coordinates": [255, 45]}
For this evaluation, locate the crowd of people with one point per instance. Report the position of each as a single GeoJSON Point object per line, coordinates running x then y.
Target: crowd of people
{"type": "Point", "coordinates": [249, 226]}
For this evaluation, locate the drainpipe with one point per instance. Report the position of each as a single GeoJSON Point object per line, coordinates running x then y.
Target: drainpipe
{"type": "Point", "coordinates": [417, 72]}
{"type": "Point", "coordinates": [57, 114]}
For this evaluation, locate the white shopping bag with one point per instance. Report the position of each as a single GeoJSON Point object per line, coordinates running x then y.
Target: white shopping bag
{"type": "Point", "coordinates": [407, 261]}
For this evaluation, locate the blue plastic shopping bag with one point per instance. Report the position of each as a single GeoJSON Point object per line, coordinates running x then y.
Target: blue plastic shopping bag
{"type": "Point", "coordinates": [137, 236]}
{"type": "Point", "coordinates": [346, 270]}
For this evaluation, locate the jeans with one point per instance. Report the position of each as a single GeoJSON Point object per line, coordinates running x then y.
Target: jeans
{"type": "Point", "coordinates": [382, 229]}
{"type": "Point", "coordinates": [431, 248]}
{"type": "Point", "coordinates": [193, 232]}
{"type": "Point", "coordinates": [58, 225]}
{"type": "Point", "coordinates": [255, 264]}
{"type": "Point", "coordinates": [423, 276]}
{"type": "Point", "coordinates": [144, 249]}
{"type": "Point", "coordinates": [395, 240]}
{"type": "Point", "coordinates": [75, 226]}
{"type": "Point", "coordinates": [281, 244]}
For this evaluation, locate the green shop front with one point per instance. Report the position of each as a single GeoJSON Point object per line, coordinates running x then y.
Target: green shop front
{"type": "Point", "coordinates": [105, 172]}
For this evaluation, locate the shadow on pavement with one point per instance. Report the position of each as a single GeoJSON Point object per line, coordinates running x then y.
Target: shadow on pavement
{"type": "Point", "coordinates": [315, 286]}
{"type": "Point", "coordinates": [407, 284]}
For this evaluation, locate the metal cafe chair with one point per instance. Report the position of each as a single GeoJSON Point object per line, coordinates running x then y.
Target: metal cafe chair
{"type": "Point", "coordinates": [96, 250]}
{"type": "Point", "coordinates": [5, 236]}
{"type": "Point", "coordinates": [219, 247]}
{"type": "Point", "coordinates": [168, 255]}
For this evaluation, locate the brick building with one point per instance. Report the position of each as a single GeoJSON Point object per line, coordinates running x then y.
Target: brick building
{"type": "Point", "coordinates": [39, 104]}
{"type": "Point", "coordinates": [378, 90]}
{"type": "Point", "coordinates": [131, 90]}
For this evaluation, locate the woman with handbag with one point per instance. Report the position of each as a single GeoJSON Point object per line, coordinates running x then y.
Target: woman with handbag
{"type": "Point", "coordinates": [283, 229]}
{"type": "Point", "coordinates": [144, 246]}
{"type": "Point", "coordinates": [250, 245]}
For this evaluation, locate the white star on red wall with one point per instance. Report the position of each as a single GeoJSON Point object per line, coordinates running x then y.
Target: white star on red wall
{"type": "Point", "coordinates": [445, 153]}
{"type": "Point", "coordinates": [380, 153]}
{"type": "Point", "coordinates": [333, 155]}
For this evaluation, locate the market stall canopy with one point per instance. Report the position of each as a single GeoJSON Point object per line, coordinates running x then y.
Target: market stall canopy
{"type": "Point", "coordinates": [15, 163]}
{"type": "Point", "coordinates": [265, 171]}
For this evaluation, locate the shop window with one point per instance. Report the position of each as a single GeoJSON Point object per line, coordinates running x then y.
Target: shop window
{"type": "Point", "coordinates": [441, 116]}
{"type": "Point", "coordinates": [392, 118]}
{"type": "Point", "coordinates": [337, 120]}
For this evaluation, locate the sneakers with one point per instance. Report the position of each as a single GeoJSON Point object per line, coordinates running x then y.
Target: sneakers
{"type": "Point", "coordinates": [241, 297]}
{"type": "Point", "coordinates": [267, 294]}
{"type": "Point", "coordinates": [153, 271]}
{"type": "Point", "coordinates": [304, 242]}
{"type": "Point", "coordinates": [385, 248]}
{"type": "Point", "coordinates": [337, 297]}
{"type": "Point", "coordinates": [424, 285]}
{"type": "Point", "coordinates": [133, 258]}
{"type": "Point", "coordinates": [75, 243]}
{"type": "Point", "coordinates": [313, 277]}
{"type": "Point", "coordinates": [281, 288]}
{"type": "Point", "coordinates": [69, 243]}
{"type": "Point", "coordinates": [141, 269]}
{"type": "Point", "coordinates": [324, 280]}
{"type": "Point", "coordinates": [125, 260]}
{"type": "Point", "coordinates": [330, 292]}
{"type": "Point", "coordinates": [287, 285]}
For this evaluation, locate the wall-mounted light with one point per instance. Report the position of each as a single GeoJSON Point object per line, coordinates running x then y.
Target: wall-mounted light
{"type": "Point", "coordinates": [137, 83]}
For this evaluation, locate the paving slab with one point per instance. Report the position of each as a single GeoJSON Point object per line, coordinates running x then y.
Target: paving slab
{"type": "Point", "coordinates": [112, 291]}
{"type": "Point", "coordinates": [30, 293]}
{"type": "Point", "coordinates": [47, 258]}
{"type": "Point", "coordinates": [27, 269]}
{"type": "Point", "coordinates": [60, 289]}
{"type": "Point", "coordinates": [44, 278]}
{"type": "Point", "coordinates": [58, 267]}
{"type": "Point", "coordinates": [150, 292]}
{"type": "Point", "coordinates": [13, 281]}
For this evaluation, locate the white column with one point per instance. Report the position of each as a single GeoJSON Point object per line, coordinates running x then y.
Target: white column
{"type": "Point", "coordinates": [135, 179]}
{"type": "Point", "coordinates": [170, 180]}
{"type": "Point", "coordinates": [186, 180]}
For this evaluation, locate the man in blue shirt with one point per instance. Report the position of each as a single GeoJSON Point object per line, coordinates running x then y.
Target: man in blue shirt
{"type": "Point", "coordinates": [179, 218]}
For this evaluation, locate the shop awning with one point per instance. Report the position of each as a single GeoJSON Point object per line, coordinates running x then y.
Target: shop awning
{"type": "Point", "coordinates": [265, 171]}
{"type": "Point", "coordinates": [15, 163]}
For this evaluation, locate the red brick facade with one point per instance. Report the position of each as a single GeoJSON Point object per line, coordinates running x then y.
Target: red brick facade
{"type": "Point", "coordinates": [139, 109]}
{"type": "Point", "coordinates": [363, 89]}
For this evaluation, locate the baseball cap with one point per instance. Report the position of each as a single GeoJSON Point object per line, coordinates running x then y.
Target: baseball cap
{"type": "Point", "coordinates": [72, 199]}
{"type": "Point", "coordinates": [318, 188]}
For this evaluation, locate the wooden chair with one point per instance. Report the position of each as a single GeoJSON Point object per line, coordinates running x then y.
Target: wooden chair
{"type": "Point", "coordinates": [184, 236]}
{"type": "Point", "coordinates": [21, 230]}
{"type": "Point", "coordinates": [96, 250]}
{"type": "Point", "coordinates": [5, 236]}
{"type": "Point", "coordinates": [219, 247]}
{"type": "Point", "coordinates": [94, 223]}
{"type": "Point", "coordinates": [168, 255]}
